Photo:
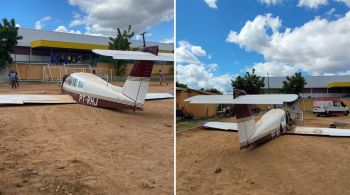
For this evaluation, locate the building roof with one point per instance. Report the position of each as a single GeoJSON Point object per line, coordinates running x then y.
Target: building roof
{"type": "Point", "coordinates": [30, 35]}
{"type": "Point", "coordinates": [312, 81]}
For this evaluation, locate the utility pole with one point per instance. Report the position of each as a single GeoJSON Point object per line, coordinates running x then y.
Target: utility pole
{"type": "Point", "coordinates": [143, 38]}
{"type": "Point", "coordinates": [268, 82]}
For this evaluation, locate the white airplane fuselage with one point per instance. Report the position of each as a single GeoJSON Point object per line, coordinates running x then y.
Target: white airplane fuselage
{"type": "Point", "coordinates": [89, 89]}
{"type": "Point", "coordinates": [271, 125]}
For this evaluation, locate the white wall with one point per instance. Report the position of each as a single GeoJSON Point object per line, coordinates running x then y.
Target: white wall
{"type": "Point", "coordinates": [317, 95]}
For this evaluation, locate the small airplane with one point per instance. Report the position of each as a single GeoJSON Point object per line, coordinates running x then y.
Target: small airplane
{"type": "Point", "coordinates": [89, 89]}
{"type": "Point", "coordinates": [272, 124]}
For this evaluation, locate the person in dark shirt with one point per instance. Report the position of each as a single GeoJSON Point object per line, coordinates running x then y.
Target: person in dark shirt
{"type": "Point", "coordinates": [162, 78]}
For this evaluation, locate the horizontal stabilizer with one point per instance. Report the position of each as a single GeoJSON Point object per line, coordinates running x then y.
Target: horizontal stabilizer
{"type": "Point", "coordinates": [134, 55]}
{"type": "Point", "coordinates": [36, 99]}
{"type": "Point", "coordinates": [158, 96]}
{"type": "Point", "coordinates": [221, 126]}
{"type": "Point", "coordinates": [321, 131]}
{"type": "Point", "coordinates": [244, 99]}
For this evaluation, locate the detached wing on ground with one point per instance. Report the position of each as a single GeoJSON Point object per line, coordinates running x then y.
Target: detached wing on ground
{"type": "Point", "coordinates": [321, 131]}
{"type": "Point", "coordinates": [221, 126]}
{"type": "Point", "coordinates": [36, 99]}
{"type": "Point", "coordinates": [315, 131]}
{"type": "Point", "coordinates": [159, 96]}
{"type": "Point", "coordinates": [245, 99]}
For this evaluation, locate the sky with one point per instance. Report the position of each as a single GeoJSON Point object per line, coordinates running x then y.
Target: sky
{"type": "Point", "coordinates": [216, 40]}
{"type": "Point", "coordinates": [95, 17]}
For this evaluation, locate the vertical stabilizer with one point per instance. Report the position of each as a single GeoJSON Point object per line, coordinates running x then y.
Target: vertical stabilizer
{"type": "Point", "coordinates": [246, 124]}
{"type": "Point", "coordinates": [137, 83]}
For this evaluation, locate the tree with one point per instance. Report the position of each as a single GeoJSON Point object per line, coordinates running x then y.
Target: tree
{"type": "Point", "coordinates": [251, 82]}
{"type": "Point", "coordinates": [213, 90]}
{"type": "Point", "coordinates": [178, 84]}
{"type": "Point", "coordinates": [8, 40]}
{"type": "Point", "coordinates": [294, 84]}
{"type": "Point", "coordinates": [121, 42]}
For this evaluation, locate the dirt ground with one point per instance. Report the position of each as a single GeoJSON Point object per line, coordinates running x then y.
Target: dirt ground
{"type": "Point", "coordinates": [77, 149]}
{"type": "Point", "coordinates": [210, 162]}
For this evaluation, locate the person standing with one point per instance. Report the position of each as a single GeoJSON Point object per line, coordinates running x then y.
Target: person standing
{"type": "Point", "coordinates": [162, 77]}
{"type": "Point", "coordinates": [17, 79]}
{"type": "Point", "coordinates": [13, 79]}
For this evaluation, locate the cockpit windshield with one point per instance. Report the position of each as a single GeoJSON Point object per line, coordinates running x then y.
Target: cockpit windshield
{"type": "Point", "coordinates": [74, 82]}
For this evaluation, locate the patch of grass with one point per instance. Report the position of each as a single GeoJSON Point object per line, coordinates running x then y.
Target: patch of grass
{"type": "Point", "coordinates": [184, 125]}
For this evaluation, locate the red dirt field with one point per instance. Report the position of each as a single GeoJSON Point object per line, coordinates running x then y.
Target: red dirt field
{"type": "Point", "coordinates": [77, 149]}
{"type": "Point", "coordinates": [210, 162]}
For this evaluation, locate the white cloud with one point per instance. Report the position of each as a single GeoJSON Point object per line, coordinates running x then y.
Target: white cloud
{"type": "Point", "coordinates": [64, 29]}
{"type": "Point", "coordinates": [187, 53]}
{"type": "Point", "coordinates": [347, 2]}
{"type": "Point", "coordinates": [330, 12]}
{"type": "Point", "coordinates": [199, 76]}
{"type": "Point", "coordinates": [171, 40]}
{"type": "Point", "coordinates": [105, 16]}
{"type": "Point", "coordinates": [76, 15]}
{"type": "Point", "coordinates": [313, 4]}
{"type": "Point", "coordinates": [270, 2]}
{"type": "Point", "coordinates": [77, 22]}
{"type": "Point", "coordinates": [196, 74]}
{"type": "Point", "coordinates": [253, 35]}
{"type": "Point", "coordinates": [41, 23]}
{"type": "Point", "coordinates": [18, 25]}
{"type": "Point", "coordinates": [138, 37]}
{"type": "Point", "coordinates": [198, 51]}
{"type": "Point", "coordinates": [317, 47]}
{"type": "Point", "coordinates": [211, 3]}
{"type": "Point", "coordinates": [273, 68]}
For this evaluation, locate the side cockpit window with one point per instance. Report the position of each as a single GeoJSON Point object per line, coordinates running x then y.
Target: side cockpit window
{"type": "Point", "coordinates": [74, 82]}
{"type": "Point", "coordinates": [69, 80]}
{"type": "Point", "coordinates": [80, 84]}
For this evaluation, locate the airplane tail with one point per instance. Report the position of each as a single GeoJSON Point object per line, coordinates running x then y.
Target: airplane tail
{"type": "Point", "coordinates": [246, 124]}
{"type": "Point", "coordinates": [137, 83]}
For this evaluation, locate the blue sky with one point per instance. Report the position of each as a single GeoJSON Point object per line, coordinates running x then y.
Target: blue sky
{"type": "Point", "coordinates": [93, 16]}
{"type": "Point", "coordinates": [231, 37]}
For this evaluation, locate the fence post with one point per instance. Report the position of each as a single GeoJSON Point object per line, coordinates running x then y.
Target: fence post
{"type": "Point", "coordinates": [43, 73]}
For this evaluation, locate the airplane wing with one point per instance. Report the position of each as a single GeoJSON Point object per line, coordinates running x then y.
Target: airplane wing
{"type": "Point", "coordinates": [36, 99]}
{"type": "Point", "coordinates": [321, 131]}
{"type": "Point", "coordinates": [134, 55]}
{"type": "Point", "coordinates": [221, 126]}
{"type": "Point", "coordinates": [159, 96]}
{"type": "Point", "coordinates": [316, 131]}
{"type": "Point", "coordinates": [245, 99]}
